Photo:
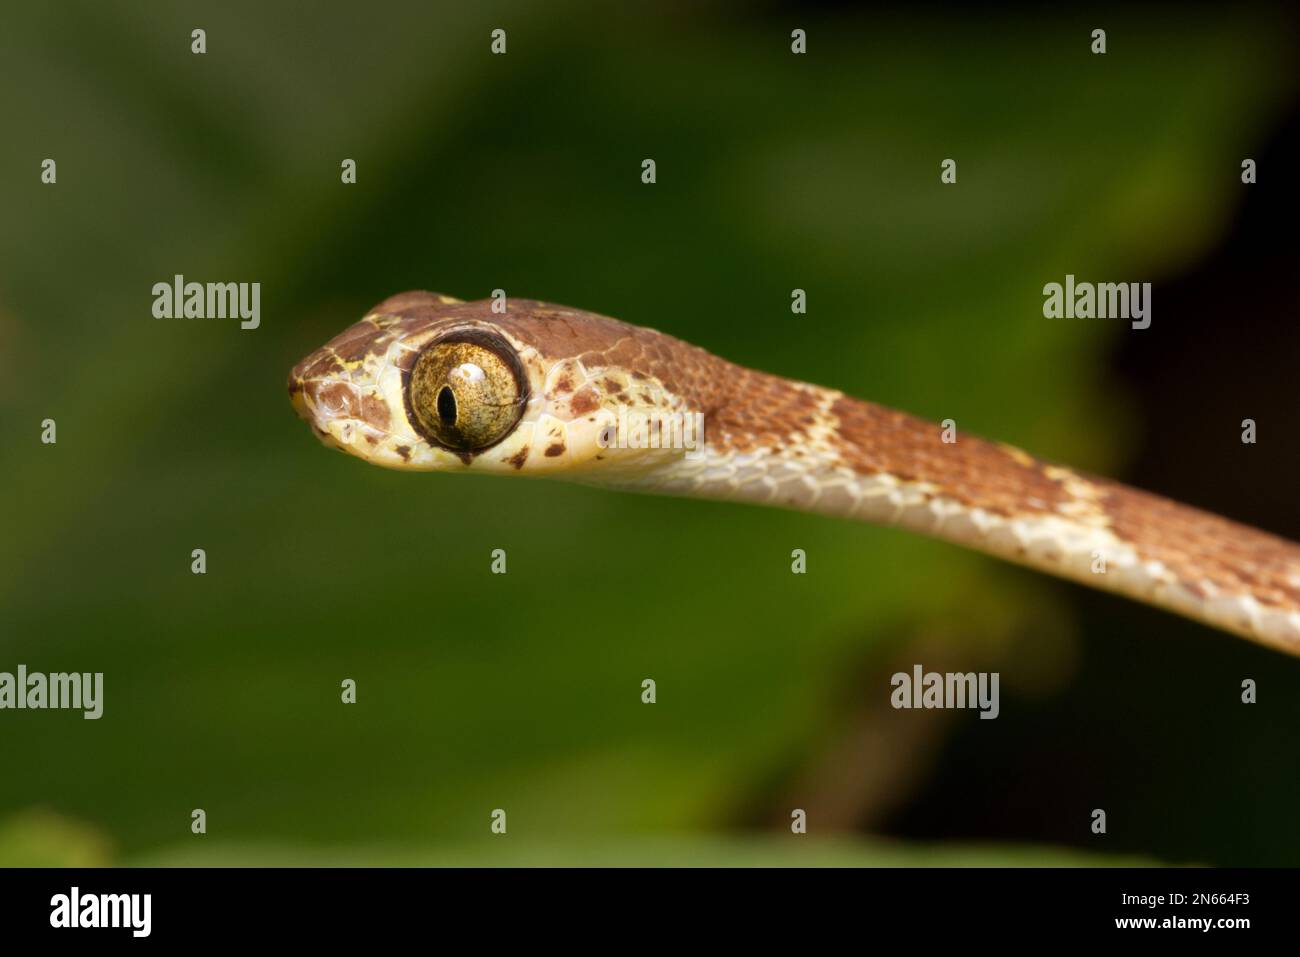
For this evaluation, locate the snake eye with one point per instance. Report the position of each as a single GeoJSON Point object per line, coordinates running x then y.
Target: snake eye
{"type": "Point", "coordinates": [467, 392]}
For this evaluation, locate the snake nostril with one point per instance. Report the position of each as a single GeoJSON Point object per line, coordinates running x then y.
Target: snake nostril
{"type": "Point", "coordinates": [447, 405]}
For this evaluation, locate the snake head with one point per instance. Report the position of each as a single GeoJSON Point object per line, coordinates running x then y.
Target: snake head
{"type": "Point", "coordinates": [427, 382]}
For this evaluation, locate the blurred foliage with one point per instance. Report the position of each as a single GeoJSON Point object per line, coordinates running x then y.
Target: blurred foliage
{"type": "Point", "coordinates": [701, 851]}
{"type": "Point", "coordinates": [522, 172]}
{"type": "Point", "coordinates": [37, 837]}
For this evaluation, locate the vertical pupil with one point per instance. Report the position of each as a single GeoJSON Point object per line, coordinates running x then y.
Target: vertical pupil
{"type": "Point", "coordinates": [447, 405]}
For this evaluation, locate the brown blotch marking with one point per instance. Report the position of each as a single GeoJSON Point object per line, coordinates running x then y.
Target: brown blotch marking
{"type": "Point", "coordinates": [584, 401]}
{"type": "Point", "coordinates": [554, 450]}
{"type": "Point", "coordinates": [564, 384]}
{"type": "Point", "coordinates": [320, 365]}
{"type": "Point", "coordinates": [873, 439]}
{"type": "Point", "coordinates": [360, 340]}
{"type": "Point", "coordinates": [374, 411]}
{"type": "Point", "coordinates": [1196, 546]}
{"type": "Point", "coordinates": [335, 397]}
{"type": "Point", "coordinates": [611, 386]}
{"type": "Point", "coordinates": [518, 459]}
{"type": "Point", "coordinates": [404, 451]}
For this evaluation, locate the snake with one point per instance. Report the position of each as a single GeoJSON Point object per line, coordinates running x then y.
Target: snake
{"type": "Point", "coordinates": [428, 382]}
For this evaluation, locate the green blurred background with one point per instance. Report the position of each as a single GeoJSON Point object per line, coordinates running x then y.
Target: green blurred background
{"type": "Point", "coordinates": [522, 172]}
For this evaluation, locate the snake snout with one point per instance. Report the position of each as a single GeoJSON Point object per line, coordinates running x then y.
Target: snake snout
{"type": "Point", "coordinates": [346, 414]}
{"type": "Point", "coordinates": [297, 396]}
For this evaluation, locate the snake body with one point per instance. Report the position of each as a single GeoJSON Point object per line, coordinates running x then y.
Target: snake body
{"type": "Point", "coordinates": [534, 389]}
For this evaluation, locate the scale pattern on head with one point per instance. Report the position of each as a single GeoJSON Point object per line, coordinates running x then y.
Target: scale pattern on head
{"type": "Point", "coordinates": [368, 391]}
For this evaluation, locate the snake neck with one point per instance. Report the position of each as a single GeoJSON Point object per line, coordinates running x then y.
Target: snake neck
{"type": "Point", "coordinates": [842, 457]}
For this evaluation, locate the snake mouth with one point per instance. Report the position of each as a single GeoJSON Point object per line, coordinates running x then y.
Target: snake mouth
{"type": "Point", "coordinates": [341, 413]}
{"type": "Point", "coordinates": [297, 395]}
{"type": "Point", "coordinates": [302, 405]}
